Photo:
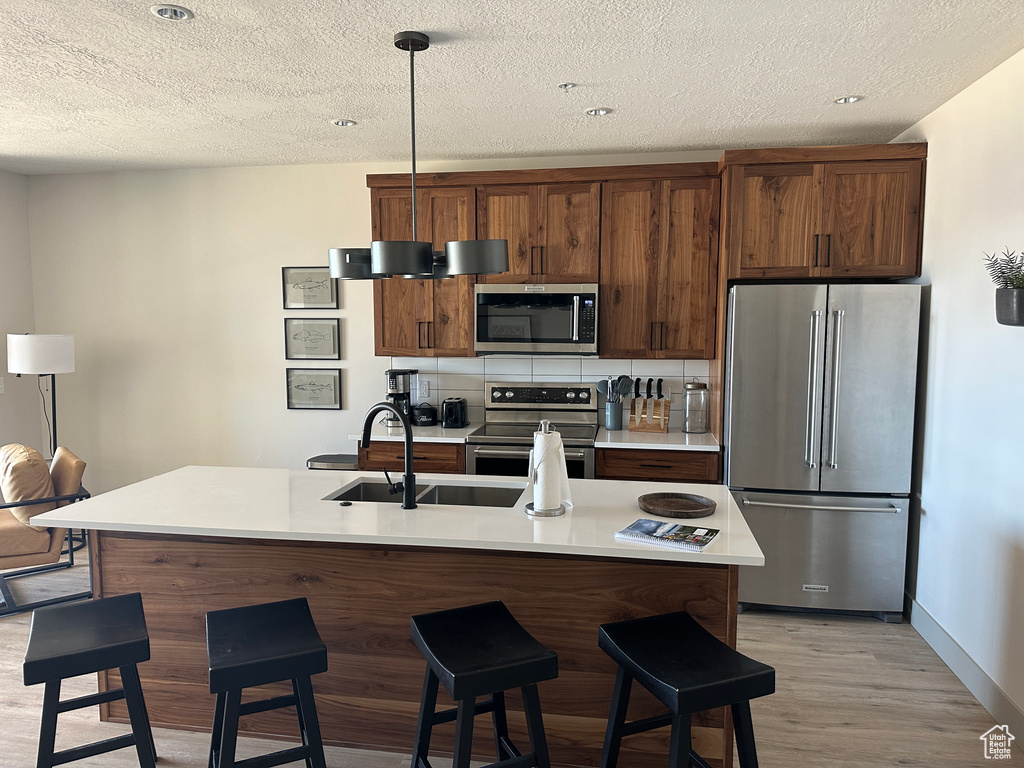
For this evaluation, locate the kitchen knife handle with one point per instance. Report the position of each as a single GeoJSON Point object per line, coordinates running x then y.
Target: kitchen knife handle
{"type": "Point", "coordinates": [659, 388]}
{"type": "Point", "coordinates": [650, 384]}
{"type": "Point", "coordinates": [812, 387]}
{"type": "Point", "coordinates": [837, 362]}
{"type": "Point", "coordinates": [636, 390]}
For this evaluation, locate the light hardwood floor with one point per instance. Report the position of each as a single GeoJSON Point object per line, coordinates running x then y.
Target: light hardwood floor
{"type": "Point", "coordinates": [849, 692]}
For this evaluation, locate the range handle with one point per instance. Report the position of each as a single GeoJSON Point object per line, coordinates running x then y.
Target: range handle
{"type": "Point", "coordinates": [892, 508]}
{"type": "Point", "coordinates": [521, 452]}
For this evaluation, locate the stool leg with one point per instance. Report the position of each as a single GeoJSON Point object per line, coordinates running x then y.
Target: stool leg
{"type": "Point", "coordinates": [302, 722]}
{"type": "Point", "coordinates": [744, 728]}
{"type": "Point", "coordinates": [48, 727]}
{"type": "Point", "coordinates": [679, 742]}
{"type": "Point", "coordinates": [499, 720]}
{"type": "Point", "coordinates": [425, 723]}
{"type": "Point", "coordinates": [535, 726]}
{"type": "Point", "coordinates": [229, 733]}
{"type": "Point", "coordinates": [218, 729]}
{"type": "Point", "coordinates": [138, 716]}
{"type": "Point", "coordinates": [464, 732]}
{"type": "Point", "coordinates": [310, 722]}
{"type": "Point", "coordinates": [616, 719]}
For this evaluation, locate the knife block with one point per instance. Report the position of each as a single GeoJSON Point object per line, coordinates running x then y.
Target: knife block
{"type": "Point", "coordinates": [649, 414]}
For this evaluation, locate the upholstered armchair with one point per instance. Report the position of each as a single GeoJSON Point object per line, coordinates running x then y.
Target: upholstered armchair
{"type": "Point", "coordinates": [30, 488]}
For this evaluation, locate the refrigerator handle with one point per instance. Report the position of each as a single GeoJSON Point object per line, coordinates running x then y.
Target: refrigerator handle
{"type": "Point", "coordinates": [891, 508]}
{"type": "Point", "coordinates": [812, 387]}
{"type": "Point", "coordinates": [837, 355]}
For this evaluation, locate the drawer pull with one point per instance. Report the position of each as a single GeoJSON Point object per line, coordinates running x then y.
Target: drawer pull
{"type": "Point", "coordinates": [657, 466]}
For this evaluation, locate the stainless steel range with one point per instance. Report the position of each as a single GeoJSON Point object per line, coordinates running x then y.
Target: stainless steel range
{"type": "Point", "coordinates": [512, 413]}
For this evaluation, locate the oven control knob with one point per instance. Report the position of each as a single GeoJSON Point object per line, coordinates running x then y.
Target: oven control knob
{"type": "Point", "coordinates": [495, 394]}
{"type": "Point", "coordinates": [584, 395]}
{"type": "Point", "coordinates": [571, 395]}
{"type": "Point", "coordinates": [509, 394]}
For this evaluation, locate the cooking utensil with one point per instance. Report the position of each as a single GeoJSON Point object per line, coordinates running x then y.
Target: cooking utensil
{"type": "Point", "coordinates": [602, 387]}
{"type": "Point", "coordinates": [636, 391]}
{"type": "Point", "coordinates": [659, 388]}
{"type": "Point", "coordinates": [623, 385]}
{"type": "Point", "coordinates": [650, 384]}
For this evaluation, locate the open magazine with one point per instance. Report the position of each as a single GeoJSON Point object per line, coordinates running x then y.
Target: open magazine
{"type": "Point", "coordinates": [668, 534]}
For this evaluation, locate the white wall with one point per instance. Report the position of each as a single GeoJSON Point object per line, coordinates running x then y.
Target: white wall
{"type": "Point", "coordinates": [19, 404]}
{"type": "Point", "coordinates": [171, 283]}
{"type": "Point", "coordinates": [970, 560]}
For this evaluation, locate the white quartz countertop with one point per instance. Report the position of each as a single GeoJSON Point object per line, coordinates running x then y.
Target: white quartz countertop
{"type": "Point", "coordinates": [288, 505]}
{"type": "Point", "coordinates": [673, 440]}
{"type": "Point", "coordinates": [435, 434]}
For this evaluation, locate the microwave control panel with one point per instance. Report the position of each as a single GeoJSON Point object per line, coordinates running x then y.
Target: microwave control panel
{"type": "Point", "coordinates": [588, 320]}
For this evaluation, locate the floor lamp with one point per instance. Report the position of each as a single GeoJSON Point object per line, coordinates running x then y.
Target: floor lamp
{"type": "Point", "coordinates": [44, 354]}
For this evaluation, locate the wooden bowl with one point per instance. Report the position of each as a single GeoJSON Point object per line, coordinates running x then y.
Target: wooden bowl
{"type": "Point", "coordinates": [688, 505]}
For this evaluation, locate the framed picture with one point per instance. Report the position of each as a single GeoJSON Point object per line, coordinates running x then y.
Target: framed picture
{"type": "Point", "coordinates": [314, 388]}
{"type": "Point", "coordinates": [312, 339]}
{"type": "Point", "coordinates": [309, 288]}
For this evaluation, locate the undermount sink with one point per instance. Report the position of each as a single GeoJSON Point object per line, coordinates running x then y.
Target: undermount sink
{"type": "Point", "coordinates": [450, 494]}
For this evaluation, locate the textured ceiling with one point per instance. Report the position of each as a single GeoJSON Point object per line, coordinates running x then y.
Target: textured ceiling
{"type": "Point", "coordinates": [108, 85]}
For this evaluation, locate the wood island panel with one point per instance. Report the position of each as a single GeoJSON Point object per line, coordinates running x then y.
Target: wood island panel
{"type": "Point", "coordinates": [362, 596]}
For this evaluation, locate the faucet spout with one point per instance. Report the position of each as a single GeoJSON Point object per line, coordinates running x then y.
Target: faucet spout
{"type": "Point", "coordinates": [408, 478]}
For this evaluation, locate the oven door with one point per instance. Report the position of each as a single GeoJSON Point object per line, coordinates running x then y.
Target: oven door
{"type": "Point", "coordinates": [514, 460]}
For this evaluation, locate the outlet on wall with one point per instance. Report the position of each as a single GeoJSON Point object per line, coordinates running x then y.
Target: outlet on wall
{"type": "Point", "coordinates": [424, 388]}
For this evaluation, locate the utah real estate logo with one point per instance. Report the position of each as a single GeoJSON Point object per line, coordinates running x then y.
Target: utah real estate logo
{"type": "Point", "coordinates": [997, 742]}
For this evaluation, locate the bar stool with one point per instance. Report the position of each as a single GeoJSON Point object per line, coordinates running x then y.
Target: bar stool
{"type": "Point", "coordinates": [75, 639]}
{"type": "Point", "coordinates": [481, 650]}
{"type": "Point", "coordinates": [260, 644]}
{"type": "Point", "coordinates": [688, 670]}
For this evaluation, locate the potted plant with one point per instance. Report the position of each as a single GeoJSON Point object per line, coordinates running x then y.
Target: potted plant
{"type": "Point", "coordinates": [1007, 272]}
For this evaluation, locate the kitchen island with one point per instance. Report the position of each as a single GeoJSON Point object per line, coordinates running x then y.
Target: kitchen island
{"type": "Point", "coordinates": [206, 538]}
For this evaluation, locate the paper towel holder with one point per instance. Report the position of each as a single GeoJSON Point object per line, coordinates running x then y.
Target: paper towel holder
{"type": "Point", "coordinates": [559, 510]}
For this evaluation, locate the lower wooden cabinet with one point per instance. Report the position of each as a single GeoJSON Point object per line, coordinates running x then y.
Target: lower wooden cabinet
{"type": "Point", "coordinates": [428, 457]}
{"type": "Point", "coordinates": [667, 466]}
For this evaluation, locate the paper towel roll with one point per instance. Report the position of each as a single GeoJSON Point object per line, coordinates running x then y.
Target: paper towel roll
{"type": "Point", "coordinates": [550, 477]}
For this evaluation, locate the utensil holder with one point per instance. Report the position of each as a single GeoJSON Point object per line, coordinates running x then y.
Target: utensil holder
{"type": "Point", "coordinates": [654, 421]}
{"type": "Point", "coordinates": [613, 416]}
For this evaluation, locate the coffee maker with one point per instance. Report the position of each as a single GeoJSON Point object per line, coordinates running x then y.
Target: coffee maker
{"type": "Point", "coordinates": [399, 392]}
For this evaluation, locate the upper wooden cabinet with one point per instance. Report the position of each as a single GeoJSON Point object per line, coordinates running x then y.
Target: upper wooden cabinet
{"type": "Point", "coordinates": [659, 268]}
{"type": "Point", "coordinates": [423, 318]}
{"type": "Point", "coordinates": [553, 230]}
{"type": "Point", "coordinates": [852, 217]}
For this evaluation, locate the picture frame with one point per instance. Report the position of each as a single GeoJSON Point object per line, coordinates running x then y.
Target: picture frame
{"type": "Point", "coordinates": [308, 288]}
{"type": "Point", "coordinates": [315, 338]}
{"type": "Point", "coordinates": [314, 388]}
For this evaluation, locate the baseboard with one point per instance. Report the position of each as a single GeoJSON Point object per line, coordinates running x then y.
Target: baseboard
{"type": "Point", "coordinates": [983, 687]}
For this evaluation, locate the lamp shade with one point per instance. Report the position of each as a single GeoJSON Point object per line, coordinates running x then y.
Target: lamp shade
{"type": "Point", "coordinates": [411, 258]}
{"type": "Point", "coordinates": [476, 257]}
{"type": "Point", "coordinates": [40, 353]}
{"type": "Point", "coordinates": [350, 263]}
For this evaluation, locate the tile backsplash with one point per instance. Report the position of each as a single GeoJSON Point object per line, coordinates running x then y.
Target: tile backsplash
{"type": "Point", "coordinates": [466, 376]}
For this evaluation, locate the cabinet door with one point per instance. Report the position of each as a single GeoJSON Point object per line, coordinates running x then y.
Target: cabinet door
{"type": "Point", "coordinates": [568, 237]}
{"type": "Point", "coordinates": [448, 213]}
{"type": "Point", "coordinates": [774, 216]}
{"type": "Point", "coordinates": [688, 273]}
{"type": "Point", "coordinates": [872, 219]}
{"type": "Point", "coordinates": [399, 304]}
{"type": "Point", "coordinates": [509, 213]}
{"type": "Point", "coordinates": [630, 250]}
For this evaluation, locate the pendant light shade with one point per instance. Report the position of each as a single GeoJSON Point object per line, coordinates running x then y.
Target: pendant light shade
{"type": "Point", "coordinates": [414, 258]}
{"type": "Point", "coordinates": [476, 257]}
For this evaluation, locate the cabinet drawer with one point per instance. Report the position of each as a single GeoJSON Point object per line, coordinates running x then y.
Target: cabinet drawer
{"type": "Point", "coordinates": [428, 457]}
{"type": "Point", "coordinates": [667, 466]}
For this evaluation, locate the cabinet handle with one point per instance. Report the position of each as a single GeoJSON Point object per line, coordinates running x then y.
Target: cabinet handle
{"type": "Point", "coordinates": [657, 466]}
{"type": "Point", "coordinates": [540, 248]}
{"type": "Point", "coordinates": [419, 335]}
{"type": "Point", "coordinates": [430, 330]}
{"type": "Point", "coordinates": [828, 250]}
{"type": "Point", "coordinates": [650, 339]}
{"type": "Point", "coordinates": [817, 238]}
{"type": "Point", "coordinates": [661, 335]}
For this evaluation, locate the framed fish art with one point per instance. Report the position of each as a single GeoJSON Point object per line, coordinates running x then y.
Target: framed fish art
{"type": "Point", "coordinates": [314, 388]}
{"type": "Point", "coordinates": [315, 338]}
{"type": "Point", "coordinates": [309, 288]}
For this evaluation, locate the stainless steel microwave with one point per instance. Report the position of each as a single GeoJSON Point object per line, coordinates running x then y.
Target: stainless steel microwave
{"type": "Point", "coordinates": [536, 319]}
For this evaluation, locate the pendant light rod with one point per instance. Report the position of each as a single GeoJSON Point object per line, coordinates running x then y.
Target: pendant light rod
{"type": "Point", "coordinates": [412, 42]}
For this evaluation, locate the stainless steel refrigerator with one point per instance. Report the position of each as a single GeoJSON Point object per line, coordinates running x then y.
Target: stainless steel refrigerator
{"type": "Point", "coordinates": [820, 392]}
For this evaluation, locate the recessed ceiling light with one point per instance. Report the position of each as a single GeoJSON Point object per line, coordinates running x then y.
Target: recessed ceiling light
{"type": "Point", "coordinates": [848, 99]}
{"type": "Point", "coordinates": [344, 123]}
{"type": "Point", "coordinates": [173, 12]}
{"type": "Point", "coordinates": [599, 111]}
{"type": "Point", "coordinates": [566, 86]}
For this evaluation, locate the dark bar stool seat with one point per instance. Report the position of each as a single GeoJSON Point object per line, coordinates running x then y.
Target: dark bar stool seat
{"type": "Point", "coordinates": [78, 639]}
{"type": "Point", "coordinates": [688, 670]}
{"type": "Point", "coordinates": [481, 650]}
{"type": "Point", "coordinates": [256, 645]}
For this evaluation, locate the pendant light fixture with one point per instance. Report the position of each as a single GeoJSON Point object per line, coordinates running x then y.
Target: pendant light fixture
{"type": "Point", "coordinates": [414, 258]}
